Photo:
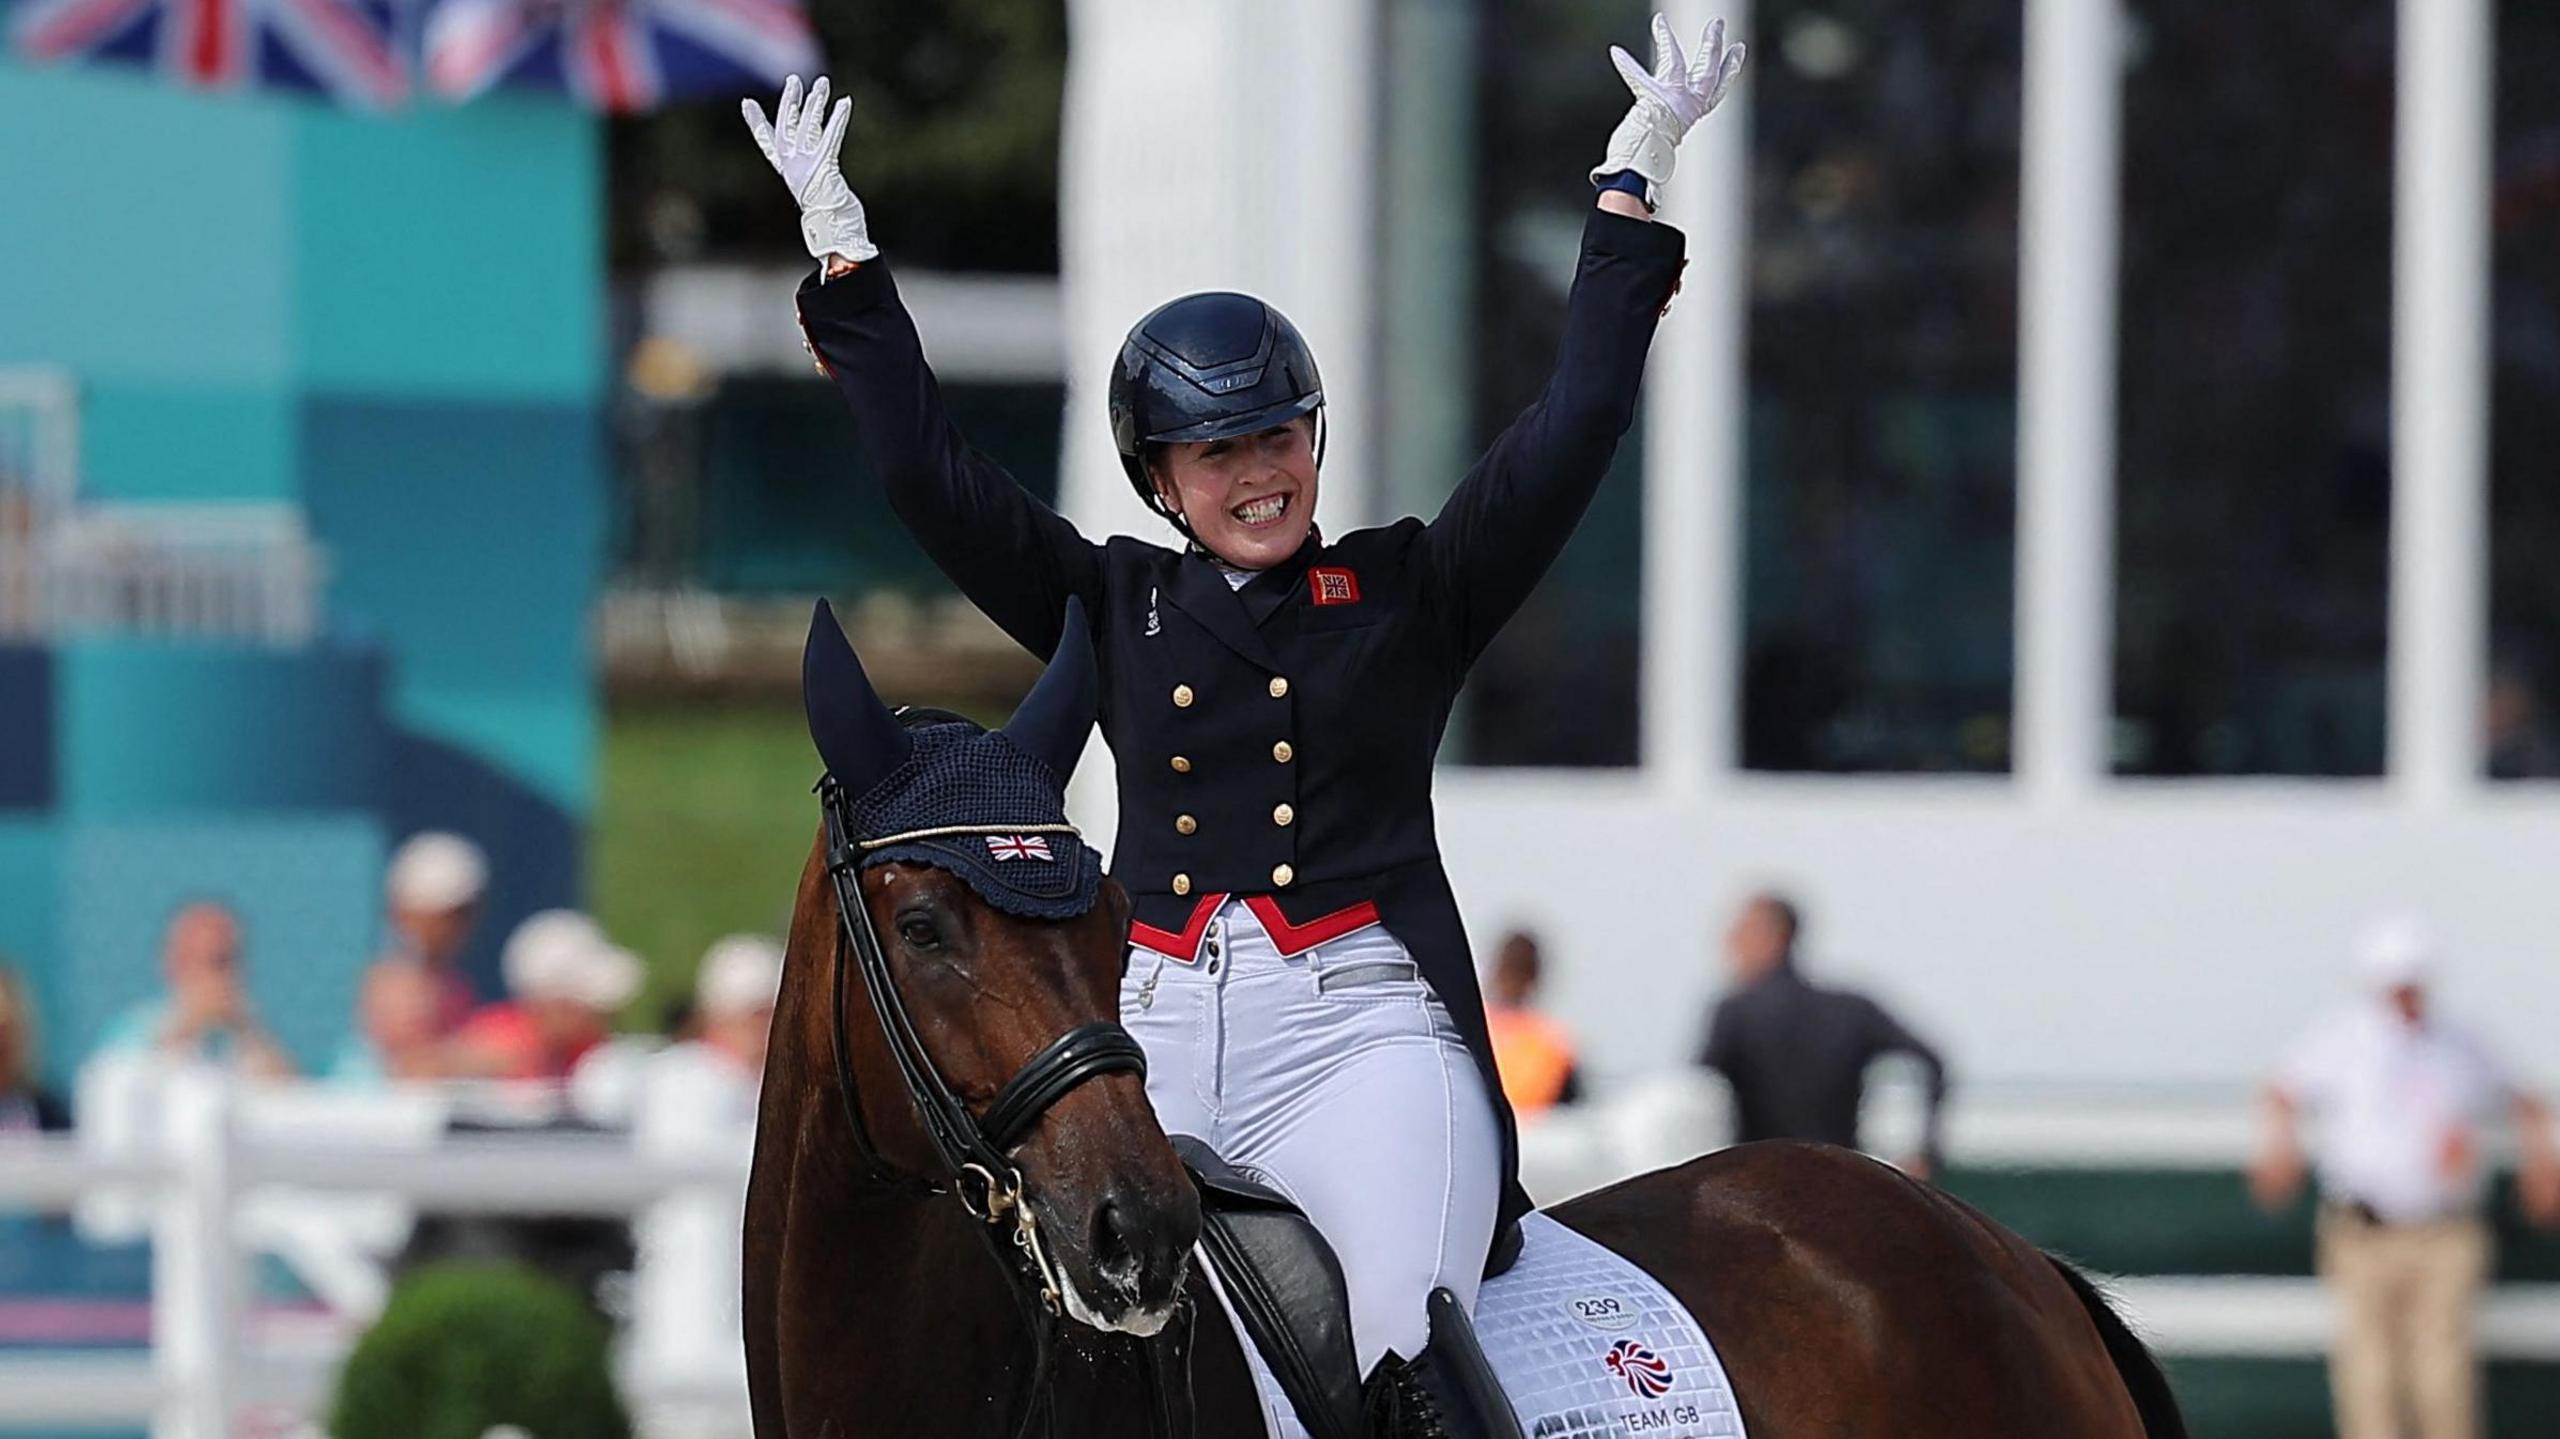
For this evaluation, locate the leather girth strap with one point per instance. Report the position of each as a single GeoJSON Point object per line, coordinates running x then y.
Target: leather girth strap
{"type": "Point", "coordinates": [1286, 1288]}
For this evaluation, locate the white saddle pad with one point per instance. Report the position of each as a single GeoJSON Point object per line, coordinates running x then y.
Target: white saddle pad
{"type": "Point", "coordinates": [1588, 1347]}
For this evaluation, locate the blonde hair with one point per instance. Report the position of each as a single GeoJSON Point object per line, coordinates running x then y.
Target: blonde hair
{"type": "Point", "coordinates": [17, 1071]}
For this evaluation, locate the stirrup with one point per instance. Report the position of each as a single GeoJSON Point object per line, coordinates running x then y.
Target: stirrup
{"type": "Point", "coordinates": [1449, 1391]}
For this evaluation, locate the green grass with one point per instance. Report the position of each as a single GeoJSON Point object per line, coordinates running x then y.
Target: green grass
{"type": "Point", "coordinates": [701, 827]}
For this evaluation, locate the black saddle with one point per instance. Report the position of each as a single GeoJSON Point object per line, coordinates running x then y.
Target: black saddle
{"type": "Point", "coordinates": [1285, 1285]}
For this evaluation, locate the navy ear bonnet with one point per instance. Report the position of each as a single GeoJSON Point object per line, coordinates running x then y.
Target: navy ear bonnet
{"type": "Point", "coordinates": [1032, 863]}
{"type": "Point", "coordinates": [988, 806]}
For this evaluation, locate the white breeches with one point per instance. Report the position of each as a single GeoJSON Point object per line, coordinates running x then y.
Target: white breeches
{"type": "Point", "coordinates": [1336, 1077]}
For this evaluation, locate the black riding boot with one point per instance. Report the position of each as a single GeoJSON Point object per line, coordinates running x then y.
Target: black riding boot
{"type": "Point", "coordinates": [1449, 1391]}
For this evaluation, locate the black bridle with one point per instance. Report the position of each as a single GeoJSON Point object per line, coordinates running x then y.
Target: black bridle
{"type": "Point", "coordinates": [975, 1153]}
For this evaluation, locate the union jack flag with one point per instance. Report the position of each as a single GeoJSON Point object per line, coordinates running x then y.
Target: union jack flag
{"type": "Point", "coordinates": [618, 55]}
{"type": "Point", "coordinates": [1019, 846]}
{"type": "Point", "coordinates": [346, 49]}
{"type": "Point", "coordinates": [1644, 1370]}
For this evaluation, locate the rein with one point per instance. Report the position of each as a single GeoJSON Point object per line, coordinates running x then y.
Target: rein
{"type": "Point", "coordinates": [974, 1154]}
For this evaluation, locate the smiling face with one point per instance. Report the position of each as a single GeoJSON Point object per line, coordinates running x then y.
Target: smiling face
{"type": "Point", "coordinates": [988, 991]}
{"type": "Point", "coordinates": [1248, 500]}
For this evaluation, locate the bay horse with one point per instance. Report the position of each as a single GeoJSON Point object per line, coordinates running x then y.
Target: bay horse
{"type": "Point", "coordinates": [1846, 1300]}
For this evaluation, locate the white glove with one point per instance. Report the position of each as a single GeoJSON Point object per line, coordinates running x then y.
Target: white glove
{"type": "Point", "coordinates": [831, 221]}
{"type": "Point", "coordinates": [1676, 94]}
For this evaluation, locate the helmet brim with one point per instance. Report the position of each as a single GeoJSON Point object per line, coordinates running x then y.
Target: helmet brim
{"type": "Point", "coordinates": [1228, 427]}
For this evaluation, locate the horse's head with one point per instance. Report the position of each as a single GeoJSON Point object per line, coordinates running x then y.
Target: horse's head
{"type": "Point", "coordinates": [998, 936]}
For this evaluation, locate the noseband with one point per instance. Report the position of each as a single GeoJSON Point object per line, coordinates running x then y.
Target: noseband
{"type": "Point", "coordinates": [975, 1154]}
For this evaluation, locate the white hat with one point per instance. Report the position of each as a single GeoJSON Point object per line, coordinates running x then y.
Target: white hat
{"type": "Point", "coordinates": [562, 954]}
{"type": "Point", "coordinates": [437, 871]}
{"type": "Point", "coordinates": [2396, 952]}
{"type": "Point", "coordinates": [610, 977]}
{"type": "Point", "coordinates": [740, 974]}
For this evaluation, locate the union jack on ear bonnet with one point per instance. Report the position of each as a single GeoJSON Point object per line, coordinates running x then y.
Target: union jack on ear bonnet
{"type": "Point", "coordinates": [988, 806]}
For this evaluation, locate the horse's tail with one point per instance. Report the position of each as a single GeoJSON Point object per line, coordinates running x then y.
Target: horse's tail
{"type": "Point", "coordinates": [2143, 1379]}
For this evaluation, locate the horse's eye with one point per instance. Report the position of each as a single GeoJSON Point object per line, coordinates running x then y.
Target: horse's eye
{"type": "Point", "coordinates": [918, 932]}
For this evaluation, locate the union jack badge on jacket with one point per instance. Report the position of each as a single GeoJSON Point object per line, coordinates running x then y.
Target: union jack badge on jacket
{"type": "Point", "coordinates": [345, 49]}
{"type": "Point", "coordinates": [618, 55]}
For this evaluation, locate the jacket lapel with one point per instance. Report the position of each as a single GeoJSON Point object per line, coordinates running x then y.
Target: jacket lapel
{"type": "Point", "coordinates": [1269, 592]}
{"type": "Point", "coordinates": [1200, 590]}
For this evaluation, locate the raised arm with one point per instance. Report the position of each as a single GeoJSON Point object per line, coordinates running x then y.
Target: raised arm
{"type": "Point", "coordinates": [1511, 515]}
{"type": "Point", "coordinates": [1013, 556]}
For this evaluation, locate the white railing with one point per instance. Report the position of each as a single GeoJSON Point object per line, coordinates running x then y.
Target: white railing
{"type": "Point", "coordinates": [231, 1172]}
{"type": "Point", "coordinates": [219, 1172]}
{"type": "Point", "coordinates": [246, 572]}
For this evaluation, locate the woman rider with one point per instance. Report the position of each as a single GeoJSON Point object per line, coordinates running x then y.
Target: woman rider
{"type": "Point", "coordinates": [1274, 697]}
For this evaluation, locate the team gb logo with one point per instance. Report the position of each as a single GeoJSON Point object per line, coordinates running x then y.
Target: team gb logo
{"type": "Point", "coordinates": [1644, 1370]}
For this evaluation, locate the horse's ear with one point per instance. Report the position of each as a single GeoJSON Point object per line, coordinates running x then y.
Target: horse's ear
{"type": "Point", "coordinates": [857, 736]}
{"type": "Point", "coordinates": [1054, 719]}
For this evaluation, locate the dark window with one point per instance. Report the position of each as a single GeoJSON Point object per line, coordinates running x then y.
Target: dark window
{"type": "Point", "coordinates": [1558, 687]}
{"type": "Point", "coordinates": [2524, 684]}
{"type": "Point", "coordinates": [764, 488]}
{"type": "Point", "coordinates": [2254, 438]}
{"type": "Point", "coordinates": [953, 146]}
{"type": "Point", "coordinates": [1879, 520]}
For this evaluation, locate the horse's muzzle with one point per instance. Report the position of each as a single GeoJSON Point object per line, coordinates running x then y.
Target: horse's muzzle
{"type": "Point", "coordinates": [1134, 1257]}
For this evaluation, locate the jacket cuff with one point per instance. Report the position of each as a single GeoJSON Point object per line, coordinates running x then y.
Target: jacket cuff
{"type": "Point", "coordinates": [1613, 234]}
{"type": "Point", "coordinates": [850, 294]}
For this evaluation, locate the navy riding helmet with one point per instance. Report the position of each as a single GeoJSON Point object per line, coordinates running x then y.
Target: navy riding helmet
{"type": "Point", "coordinates": [1208, 367]}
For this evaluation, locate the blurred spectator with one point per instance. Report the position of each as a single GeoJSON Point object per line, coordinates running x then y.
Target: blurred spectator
{"type": "Point", "coordinates": [434, 887]}
{"type": "Point", "coordinates": [400, 1032]}
{"type": "Point", "coordinates": [206, 1015]}
{"type": "Point", "coordinates": [1797, 1055]}
{"type": "Point", "coordinates": [2405, 1095]}
{"type": "Point", "coordinates": [699, 1101]}
{"type": "Point", "coordinates": [24, 1107]}
{"type": "Point", "coordinates": [1533, 1053]}
{"type": "Point", "coordinates": [702, 1091]}
{"type": "Point", "coordinates": [567, 981]}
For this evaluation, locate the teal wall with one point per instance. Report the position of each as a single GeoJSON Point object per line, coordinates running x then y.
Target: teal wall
{"type": "Point", "coordinates": [397, 324]}
{"type": "Point", "coordinates": [205, 264]}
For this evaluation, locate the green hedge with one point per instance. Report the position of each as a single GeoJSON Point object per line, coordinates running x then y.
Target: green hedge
{"type": "Point", "coordinates": [464, 1347]}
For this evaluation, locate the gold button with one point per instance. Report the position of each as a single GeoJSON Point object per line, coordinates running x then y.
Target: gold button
{"type": "Point", "coordinates": [1281, 874]}
{"type": "Point", "coordinates": [1279, 688]}
{"type": "Point", "coordinates": [1181, 765]}
{"type": "Point", "coordinates": [1182, 697]}
{"type": "Point", "coordinates": [1281, 753]}
{"type": "Point", "coordinates": [1283, 816]}
{"type": "Point", "coordinates": [1185, 824]}
{"type": "Point", "coordinates": [1182, 884]}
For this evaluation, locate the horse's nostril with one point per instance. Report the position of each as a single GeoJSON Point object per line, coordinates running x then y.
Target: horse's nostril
{"type": "Point", "coordinates": [1115, 1239]}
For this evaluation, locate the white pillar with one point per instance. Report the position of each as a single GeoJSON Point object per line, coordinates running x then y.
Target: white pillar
{"type": "Point", "coordinates": [1216, 145]}
{"type": "Point", "coordinates": [2439, 400]}
{"type": "Point", "coordinates": [195, 1280]}
{"type": "Point", "coordinates": [1690, 684]}
{"type": "Point", "coordinates": [2067, 282]}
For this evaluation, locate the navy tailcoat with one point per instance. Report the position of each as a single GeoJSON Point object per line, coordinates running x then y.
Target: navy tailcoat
{"type": "Point", "coordinates": [1276, 742]}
